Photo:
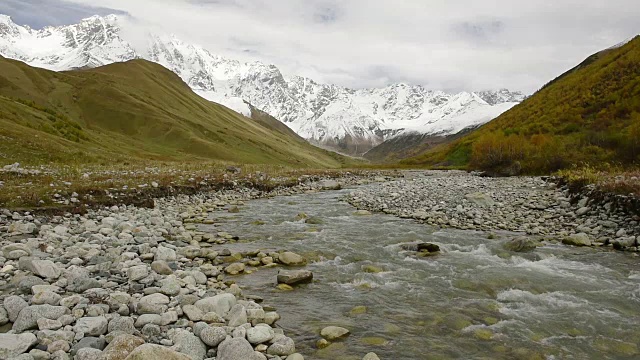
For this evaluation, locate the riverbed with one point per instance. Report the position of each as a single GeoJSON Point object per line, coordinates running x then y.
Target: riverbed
{"type": "Point", "coordinates": [474, 300]}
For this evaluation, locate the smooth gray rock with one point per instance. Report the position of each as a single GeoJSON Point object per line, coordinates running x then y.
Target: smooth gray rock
{"type": "Point", "coordinates": [260, 334]}
{"type": "Point", "coordinates": [521, 244]}
{"type": "Point", "coordinates": [580, 239]}
{"type": "Point", "coordinates": [88, 354]}
{"type": "Point", "coordinates": [334, 332]}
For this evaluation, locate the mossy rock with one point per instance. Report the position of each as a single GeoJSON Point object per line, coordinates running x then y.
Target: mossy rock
{"type": "Point", "coordinates": [314, 221]}
{"type": "Point", "coordinates": [483, 334]}
{"type": "Point", "coordinates": [372, 269]}
{"type": "Point", "coordinates": [358, 310]}
{"type": "Point", "coordinates": [374, 341]}
{"type": "Point", "coordinates": [258, 223]}
{"type": "Point", "coordinates": [284, 287]}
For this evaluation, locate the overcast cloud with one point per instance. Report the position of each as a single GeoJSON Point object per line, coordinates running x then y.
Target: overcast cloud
{"type": "Point", "coordinates": [451, 45]}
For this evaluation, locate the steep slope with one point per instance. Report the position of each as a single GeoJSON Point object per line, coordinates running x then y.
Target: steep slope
{"type": "Point", "coordinates": [589, 115]}
{"type": "Point", "coordinates": [131, 111]}
{"type": "Point", "coordinates": [352, 121]}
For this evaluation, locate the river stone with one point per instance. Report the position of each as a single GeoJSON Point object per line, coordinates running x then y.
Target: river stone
{"type": "Point", "coordinates": [521, 244]}
{"type": "Point", "coordinates": [4, 316]}
{"type": "Point", "coordinates": [161, 267]}
{"type": "Point", "coordinates": [237, 316]}
{"type": "Point", "coordinates": [123, 324]}
{"type": "Point", "coordinates": [12, 345]}
{"type": "Point", "coordinates": [46, 297]}
{"type": "Point", "coordinates": [236, 349]}
{"type": "Point", "coordinates": [159, 352]}
{"type": "Point", "coordinates": [43, 268]}
{"type": "Point", "coordinates": [371, 356]}
{"type": "Point", "coordinates": [28, 317]}
{"type": "Point", "coordinates": [170, 286]}
{"type": "Point", "coordinates": [330, 185]}
{"type": "Point", "coordinates": [220, 304]}
{"type": "Point", "coordinates": [145, 319]}
{"type": "Point", "coordinates": [82, 284]}
{"type": "Point", "coordinates": [121, 347]}
{"type": "Point", "coordinates": [138, 272]}
{"type": "Point", "coordinates": [235, 268]}
{"type": "Point", "coordinates": [480, 199]}
{"type": "Point", "coordinates": [193, 312]}
{"type": "Point", "coordinates": [14, 304]}
{"type": "Point", "coordinates": [92, 326]}
{"type": "Point", "coordinates": [295, 356]}
{"type": "Point", "coordinates": [334, 332]}
{"type": "Point", "coordinates": [89, 342]}
{"type": "Point", "coordinates": [212, 336]}
{"type": "Point", "coordinates": [583, 210]}
{"type": "Point", "coordinates": [187, 343]}
{"type": "Point", "coordinates": [429, 247]}
{"type": "Point", "coordinates": [153, 304]}
{"type": "Point", "coordinates": [48, 324]}
{"type": "Point", "coordinates": [580, 239]}
{"type": "Point", "coordinates": [289, 258]}
{"type": "Point", "coordinates": [293, 277]}
{"type": "Point", "coordinates": [58, 345]}
{"type": "Point", "coordinates": [283, 346]}
{"type": "Point", "coordinates": [260, 334]}
{"type": "Point", "coordinates": [88, 354]}
{"type": "Point", "coordinates": [165, 254]}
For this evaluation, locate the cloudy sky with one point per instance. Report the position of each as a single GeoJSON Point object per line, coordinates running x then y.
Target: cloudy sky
{"type": "Point", "coordinates": [444, 44]}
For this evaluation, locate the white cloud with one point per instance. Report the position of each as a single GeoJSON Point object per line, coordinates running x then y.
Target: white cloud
{"type": "Point", "coordinates": [463, 44]}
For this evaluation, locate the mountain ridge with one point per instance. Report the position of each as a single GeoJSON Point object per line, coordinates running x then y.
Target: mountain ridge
{"type": "Point", "coordinates": [351, 120]}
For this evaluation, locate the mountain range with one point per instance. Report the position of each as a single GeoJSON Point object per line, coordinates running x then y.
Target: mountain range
{"type": "Point", "coordinates": [348, 120]}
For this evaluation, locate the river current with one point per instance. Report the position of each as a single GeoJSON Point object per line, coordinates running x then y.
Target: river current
{"type": "Point", "coordinates": [475, 300]}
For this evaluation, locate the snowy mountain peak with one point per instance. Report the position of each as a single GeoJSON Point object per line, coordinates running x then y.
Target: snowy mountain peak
{"type": "Point", "coordinates": [352, 120]}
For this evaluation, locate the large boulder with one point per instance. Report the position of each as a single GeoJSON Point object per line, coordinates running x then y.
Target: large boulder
{"type": "Point", "coordinates": [12, 345]}
{"type": "Point", "coordinates": [330, 185]}
{"type": "Point", "coordinates": [294, 277]}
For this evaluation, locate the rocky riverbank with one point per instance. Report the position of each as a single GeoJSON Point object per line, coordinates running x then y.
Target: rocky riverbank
{"type": "Point", "coordinates": [530, 205]}
{"type": "Point", "coordinates": [126, 282]}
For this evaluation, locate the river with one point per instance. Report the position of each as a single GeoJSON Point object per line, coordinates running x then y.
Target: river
{"type": "Point", "coordinates": [473, 301]}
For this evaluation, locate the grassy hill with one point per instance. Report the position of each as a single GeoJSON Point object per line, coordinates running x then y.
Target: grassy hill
{"type": "Point", "coordinates": [589, 115]}
{"type": "Point", "coordinates": [133, 112]}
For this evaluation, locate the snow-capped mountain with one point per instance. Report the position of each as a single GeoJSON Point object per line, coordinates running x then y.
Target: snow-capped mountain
{"type": "Point", "coordinates": [351, 120]}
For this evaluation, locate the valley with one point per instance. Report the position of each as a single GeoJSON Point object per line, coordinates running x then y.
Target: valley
{"type": "Point", "coordinates": [160, 200]}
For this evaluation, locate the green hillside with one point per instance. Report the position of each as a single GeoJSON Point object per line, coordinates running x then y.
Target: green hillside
{"type": "Point", "coordinates": [589, 115]}
{"type": "Point", "coordinates": [128, 112]}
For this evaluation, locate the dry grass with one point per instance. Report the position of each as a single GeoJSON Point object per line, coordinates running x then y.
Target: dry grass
{"type": "Point", "coordinates": [90, 185]}
{"type": "Point", "coordinates": [612, 180]}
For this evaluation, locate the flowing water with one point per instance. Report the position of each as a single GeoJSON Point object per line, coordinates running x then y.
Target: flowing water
{"type": "Point", "coordinates": [473, 301]}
